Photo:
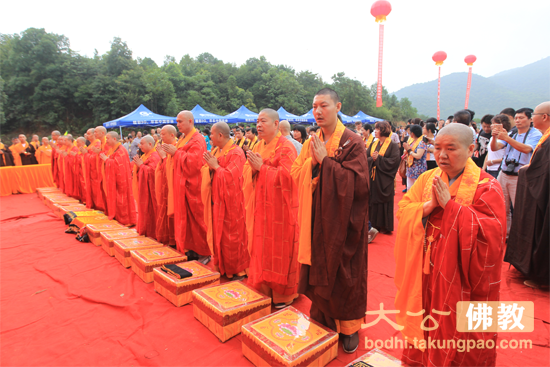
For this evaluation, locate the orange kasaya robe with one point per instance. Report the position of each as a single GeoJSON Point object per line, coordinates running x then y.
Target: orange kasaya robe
{"type": "Point", "coordinates": [455, 256]}
{"type": "Point", "coordinates": [271, 203]}
{"type": "Point", "coordinates": [55, 164]}
{"type": "Point", "coordinates": [190, 227]}
{"type": "Point", "coordinates": [44, 154]}
{"type": "Point", "coordinates": [79, 177]}
{"type": "Point", "coordinates": [118, 186]}
{"type": "Point", "coordinates": [333, 218]}
{"type": "Point", "coordinates": [222, 192]}
{"type": "Point", "coordinates": [61, 168]}
{"type": "Point", "coordinates": [252, 143]}
{"type": "Point", "coordinates": [164, 193]}
{"type": "Point", "coordinates": [72, 182]}
{"type": "Point", "coordinates": [16, 150]}
{"type": "Point", "coordinates": [93, 176]}
{"type": "Point", "coordinates": [143, 185]}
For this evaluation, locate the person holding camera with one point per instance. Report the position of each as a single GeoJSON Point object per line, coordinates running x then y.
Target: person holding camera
{"type": "Point", "coordinates": [519, 147]}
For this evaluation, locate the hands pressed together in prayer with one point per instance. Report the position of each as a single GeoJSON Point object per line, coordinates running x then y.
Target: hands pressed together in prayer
{"type": "Point", "coordinates": [72, 153]}
{"type": "Point", "coordinates": [96, 150]}
{"type": "Point", "coordinates": [103, 156]}
{"type": "Point", "coordinates": [374, 156]}
{"type": "Point", "coordinates": [83, 150]}
{"type": "Point", "coordinates": [440, 196]}
{"type": "Point", "coordinates": [169, 149]}
{"type": "Point", "coordinates": [137, 160]}
{"type": "Point", "coordinates": [318, 150]}
{"type": "Point", "coordinates": [211, 161]}
{"type": "Point", "coordinates": [255, 160]}
{"type": "Point", "coordinates": [161, 151]}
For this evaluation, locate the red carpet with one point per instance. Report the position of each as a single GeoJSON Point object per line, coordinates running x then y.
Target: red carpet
{"type": "Point", "coordinates": [66, 303]}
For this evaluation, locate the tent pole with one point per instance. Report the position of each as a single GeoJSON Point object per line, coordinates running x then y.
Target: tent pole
{"type": "Point", "coordinates": [120, 127]}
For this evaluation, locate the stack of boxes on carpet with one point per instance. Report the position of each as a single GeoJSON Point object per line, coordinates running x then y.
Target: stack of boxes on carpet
{"type": "Point", "coordinates": [284, 338]}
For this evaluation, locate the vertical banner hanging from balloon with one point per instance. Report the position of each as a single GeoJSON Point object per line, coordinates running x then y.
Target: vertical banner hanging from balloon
{"type": "Point", "coordinates": [439, 57]}
{"type": "Point", "coordinates": [380, 9]}
{"type": "Point", "coordinates": [469, 60]}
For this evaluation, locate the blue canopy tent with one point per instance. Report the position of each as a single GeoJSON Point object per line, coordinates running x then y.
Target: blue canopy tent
{"type": "Point", "coordinates": [363, 117]}
{"type": "Point", "coordinates": [204, 117]}
{"type": "Point", "coordinates": [141, 116]}
{"type": "Point", "coordinates": [243, 114]}
{"type": "Point", "coordinates": [285, 115]}
{"type": "Point", "coordinates": [347, 119]}
{"type": "Point", "coordinates": [306, 118]}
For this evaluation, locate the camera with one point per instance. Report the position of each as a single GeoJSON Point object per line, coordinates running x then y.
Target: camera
{"type": "Point", "coordinates": [511, 165]}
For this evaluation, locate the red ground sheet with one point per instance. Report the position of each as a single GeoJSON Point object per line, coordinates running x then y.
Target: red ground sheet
{"type": "Point", "coordinates": [67, 303]}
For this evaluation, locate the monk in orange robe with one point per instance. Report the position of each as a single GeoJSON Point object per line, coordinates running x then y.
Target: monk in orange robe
{"type": "Point", "coordinates": [164, 187]}
{"type": "Point", "coordinates": [449, 247]}
{"type": "Point", "coordinates": [143, 185]}
{"type": "Point", "coordinates": [271, 202]}
{"type": "Point", "coordinates": [77, 164]}
{"type": "Point", "coordinates": [94, 177]}
{"type": "Point", "coordinates": [223, 174]}
{"type": "Point", "coordinates": [44, 152]}
{"type": "Point", "coordinates": [35, 142]}
{"type": "Point", "coordinates": [16, 149]}
{"type": "Point", "coordinates": [118, 182]}
{"type": "Point", "coordinates": [189, 209]}
{"type": "Point", "coordinates": [69, 158]}
{"type": "Point", "coordinates": [332, 176]}
{"type": "Point", "coordinates": [55, 166]}
{"type": "Point", "coordinates": [61, 152]}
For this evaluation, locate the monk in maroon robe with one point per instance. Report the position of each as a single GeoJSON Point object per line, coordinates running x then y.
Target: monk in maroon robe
{"type": "Point", "coordinates": [143, 184]}
{"type": "Point", "coordinates": [271, 201]}
{"type": "Point", "coordinates": [223, 174]}
{"type": "Point", "coordinates": [450, 243]}
{"type": "Point", "coordinates": [118, 182]}
{"type": "Point", "coordinates": [332, 174]}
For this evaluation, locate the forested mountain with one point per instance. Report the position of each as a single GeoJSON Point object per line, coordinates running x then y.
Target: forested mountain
{"type": "Point", "coordinates": [526, 86]}
{"type": "Point", "coordinates": [45, 85]}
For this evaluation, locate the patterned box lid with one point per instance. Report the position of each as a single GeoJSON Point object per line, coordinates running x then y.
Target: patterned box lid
{"type": "Point", "coordinates": [289, 335]}
{"type": "Point", "coordinates": [198, 270]}
{"type": "Point", "coordinates": [136, 242]}
{"type": "Point", "coordinates": [117, 233]}
{"type": "Point", "coordinates": [83, 220]}
{"type": "Point", "coordinates": [72, 208]}
{"type": "Point", "coordinates": [154, 255]}
{"type": "Point", "coordinates": [230, 296]}
{"type": "Point", "coordinates": [100, 227]}
{"type": "Point", "coordinates": [376, 358]}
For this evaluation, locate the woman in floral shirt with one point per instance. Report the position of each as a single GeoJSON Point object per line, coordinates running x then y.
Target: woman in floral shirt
{"type": "Point", "coordinates": [417, 155]}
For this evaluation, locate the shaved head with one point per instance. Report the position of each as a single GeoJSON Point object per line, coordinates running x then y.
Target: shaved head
{"type": "Point", "coordinates": [544, 107]}
{"type": "Point", "coordinates": [100, 132]}
{"type": "Point", "coordinates": [80, 141]}
{"type": "Point", "coordinates": [186, 115]}
{"type": "Point", "coordinates": [102, 129]}
{"type": "Point", "coordinates": [222, 128]}
{"type": "Point", "coordinates": [284, 126]}
{"type": "Point", "coordinates": [55, 133]}
{"type": "Point", "coordinates": [169, 129]}
{"type": "Point", "coordinates": [149, 139]}
{"type": "Point", "coordinates": [69, 137]}
{"type": "Point", "coordinates": [113, 134]}
{"type": "Point", "coordinates": [462, 133]}
{"type": "Point", "coordinates": [271, 113]}
{"type": "Point", "coordinates": [185, 121]}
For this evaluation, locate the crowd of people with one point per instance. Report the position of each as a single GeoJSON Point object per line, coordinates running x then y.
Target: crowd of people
{"type": "Point", "coordinates": [293, 208]}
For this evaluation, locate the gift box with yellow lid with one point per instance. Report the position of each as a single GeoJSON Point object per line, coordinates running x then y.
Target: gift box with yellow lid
{"type": "Point", "coordinates": [223, 309]}
{"type": "Point", "coordinates": [179, 290]}
{"type": "Point", "coordinates": [94, 230]}
{"type": "Point", "coordinates": [144, 261]}
{"type": "Point", "coordinates": [109, 237]}
{"type": "Point", "coordinates": [123, 247]}
{"type": "Point", "coordinates": [288, 338]}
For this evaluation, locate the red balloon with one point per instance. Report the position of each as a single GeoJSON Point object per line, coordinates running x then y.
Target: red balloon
{"type": "Point", "coordinates": [470, 59]}
{"type": "Point", "coordinates": [439, 57]}
{"type": "Point", "coordinates": [380, 9]}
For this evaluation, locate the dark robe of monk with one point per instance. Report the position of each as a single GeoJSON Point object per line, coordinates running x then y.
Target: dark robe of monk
{"type": "Point", "coordinates": [529, 237]}
{"type": "Point", "coordinates": [382, 178]}
{"type": "Point", "coordinates": [6, 159]}
{"type": "Point", "coordinates": [30, 158]}
{"type": "Point", "coordinates": [336, 281]}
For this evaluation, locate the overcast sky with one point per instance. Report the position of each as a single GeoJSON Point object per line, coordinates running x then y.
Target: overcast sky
{"type": "Point", "coordinates": [324, 37]}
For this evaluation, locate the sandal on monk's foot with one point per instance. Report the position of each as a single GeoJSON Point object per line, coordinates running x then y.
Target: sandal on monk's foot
{"type": "Point", "coordinates": [282, 304]}
{"type": "Point", "coordinates": [350, 343]}
{"type": "Point", "coordinates": [236, 277]}
{"type": "Point", "coordinates": [531, 284]}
